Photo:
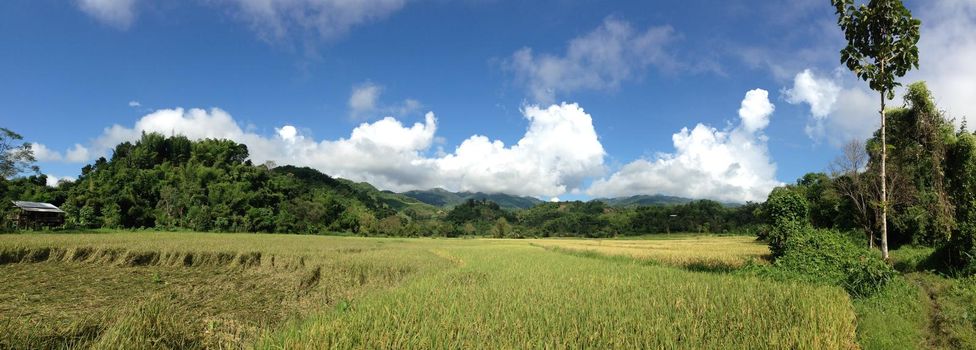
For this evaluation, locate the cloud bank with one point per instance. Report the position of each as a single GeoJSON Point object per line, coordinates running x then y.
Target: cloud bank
{"type": "Point", "coordinates": [558, 151]}
{"type": "Point", "coordinates": [725, 165]}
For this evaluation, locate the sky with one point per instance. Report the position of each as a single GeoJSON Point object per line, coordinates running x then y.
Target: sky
{"type": "Point", "coordinates": [567, 99]}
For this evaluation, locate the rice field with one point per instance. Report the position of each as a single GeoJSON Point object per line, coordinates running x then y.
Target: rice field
{"type": "Point", "coordinates": [682, 251]}
{"type": "Point", "coordinates": [192, 290]}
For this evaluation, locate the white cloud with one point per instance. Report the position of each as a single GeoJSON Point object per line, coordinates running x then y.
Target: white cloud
{"type": "Point", "coordinates": [364, 103]}
{"type": "Point", "coordinates": [947, 50]}
{"type": "Point", "coordinates": [363, 100]}
{"type": "Point", "coordinates": [327, 19]}
{"type": "Point", "coordinates": [287, 133]}
{"type": "Point", "coordinates": [844, 108]}
{"type": "Point", "coordinates": [54, 181]}
{"type": "Point", "coordinates": [755, 110]}
{"type": "Point", "coordinates": [602, 59]}
{"type": "Point", "coordinates": [76, 154]}
{"type": "Point", "coordinates": [841, 109]}
{"type": "Point", "coordinates": [134, 104]}
{"type": "Point", "coordinates": [116, 13]}
{"type": "Point", "coordinates": [44, 154]}
{"type": "Point", "coordinates": [726, 165]}
{"type": "Point", "coordinates": [558, 151]}
{"type": "Point", "coordinates": [819, 93]}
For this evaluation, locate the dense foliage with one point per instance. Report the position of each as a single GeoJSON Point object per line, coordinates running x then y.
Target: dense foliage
{"type": "Point", "coordinates": [785, 214]}
{"type": "Point", "coordinates": [208, 185]}
{"type": "Point", "coordinates": [827, 256]}
{"type": "Point", "coordinates": [931, 173]}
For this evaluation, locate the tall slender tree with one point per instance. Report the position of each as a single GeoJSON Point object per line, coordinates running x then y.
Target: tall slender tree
{"type": "Point", "coordinates": [882, 38]}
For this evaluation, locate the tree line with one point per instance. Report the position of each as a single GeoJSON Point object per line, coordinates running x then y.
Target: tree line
{"type": "Point", "coordinates": [930, 180]}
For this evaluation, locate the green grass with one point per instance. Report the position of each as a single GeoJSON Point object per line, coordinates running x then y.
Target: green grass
{"type": "Point", "coordinates": [952, 304]}
{"type": "Point", "coordinates": [894, 318]}
{"type": "Point", "coordinates": [192, 290]}
{"type": "Point", "coordinates": [920, 310]}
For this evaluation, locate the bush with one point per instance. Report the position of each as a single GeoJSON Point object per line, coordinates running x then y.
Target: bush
{"type": "Point", "coordinates": [828, 256]}
{"type": "Point", "coordinates": [785, 214]}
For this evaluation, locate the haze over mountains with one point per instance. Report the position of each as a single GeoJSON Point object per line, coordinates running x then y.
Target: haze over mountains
{"type": "Point", "coordinates": [440, 197]}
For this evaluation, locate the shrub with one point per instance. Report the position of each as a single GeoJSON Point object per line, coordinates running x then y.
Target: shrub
{"type": "Point", "coordinates": [785, 213]}
{"type": "Point", "coordinates": [828, 256]}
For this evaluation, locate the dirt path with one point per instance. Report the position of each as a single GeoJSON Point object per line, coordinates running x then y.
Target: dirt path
{"type": "Point", "coordinates": [937, 337]}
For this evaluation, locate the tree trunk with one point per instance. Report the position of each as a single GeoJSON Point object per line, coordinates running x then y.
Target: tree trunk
{"type": "Point", "coordinates": [884, 184]}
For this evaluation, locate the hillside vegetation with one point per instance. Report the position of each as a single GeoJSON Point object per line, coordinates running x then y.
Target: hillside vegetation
{"type": "Point", "coordinates": [447, 199]}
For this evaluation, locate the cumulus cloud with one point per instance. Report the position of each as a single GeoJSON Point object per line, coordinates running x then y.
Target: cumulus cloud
{"type": "Point", "coordinates": [755, 110]}
{"type": "Point", "coordinates": [558, 151]}
{"type": "Point", "coordinates": [134, 104]}
{"type": "Point", "coordinates": [612, 53]}
{"type": "Point", "coordinates": [727, 165]}
{"type": "Point", "coordinates": [819, 93]}
{"type": "Point", "coordinates": [116, 13]}
{"type": "Point", "coordinates": [75, 154]}
{"type": "Point", "coordinates": [44, 154]}
{"type": "Point", "coordinates": [841, 109]}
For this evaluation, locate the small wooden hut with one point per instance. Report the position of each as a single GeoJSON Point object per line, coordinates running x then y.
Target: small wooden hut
{"type": "Point", "coordinates": [36, 215]}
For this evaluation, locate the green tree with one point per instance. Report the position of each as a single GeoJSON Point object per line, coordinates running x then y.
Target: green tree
{"type": "Point", "coordinates": [881, 47]}
{"type": "Point", "coordinates": [961, 175]}
{"type": "Point", "coordinates": [501, 229]}
{"type": "Point", "coordinates": [14, 158]}
{"type": "Point", "coordinates": [786, 213]}
{"type": "Point", "coordinates": [920, 211]}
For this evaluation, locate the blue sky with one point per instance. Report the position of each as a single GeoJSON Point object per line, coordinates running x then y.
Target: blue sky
{"type": "Point", "coordinates": [293, 79]}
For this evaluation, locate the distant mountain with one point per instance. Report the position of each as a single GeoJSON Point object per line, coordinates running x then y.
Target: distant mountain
{"type": "Point", "coordinates": [638, 200]}
{"type": "Point", "coordinates": [364, 192]}
{"type": "Point", "coordinates": [444, 198]}
{"type": "Point", "coordinates": [651, 200]}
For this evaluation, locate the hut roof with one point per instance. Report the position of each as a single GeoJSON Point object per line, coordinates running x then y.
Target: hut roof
{"type": "Point", "coordinates": [37, 207]}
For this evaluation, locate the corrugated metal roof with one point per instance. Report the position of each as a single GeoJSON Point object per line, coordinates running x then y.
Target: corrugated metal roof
{"type": "Point", "coordinates": [38, 207]}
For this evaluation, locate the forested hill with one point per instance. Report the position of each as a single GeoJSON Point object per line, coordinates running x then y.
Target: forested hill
{"type": "Point", "coordinates": [447, 199]}
{"type": "Point", "coordinates": [210, 185]}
